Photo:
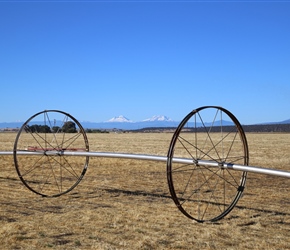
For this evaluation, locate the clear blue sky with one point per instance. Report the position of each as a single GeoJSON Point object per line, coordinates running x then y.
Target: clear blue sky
{"type": "Point", "coordinates": [100, 59]}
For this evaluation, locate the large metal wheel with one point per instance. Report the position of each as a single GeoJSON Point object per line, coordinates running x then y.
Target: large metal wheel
{"type": "Point", "coordinates": [206, 193]}
{"type": "Point", "coordinates": [38, 153]}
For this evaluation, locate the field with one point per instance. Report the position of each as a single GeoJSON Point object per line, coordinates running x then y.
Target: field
{"type": "Point", "coordinates": [126, 204]}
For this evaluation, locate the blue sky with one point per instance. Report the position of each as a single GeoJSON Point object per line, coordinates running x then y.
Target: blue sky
{"type": "Point", "coordinates": [100, 59]}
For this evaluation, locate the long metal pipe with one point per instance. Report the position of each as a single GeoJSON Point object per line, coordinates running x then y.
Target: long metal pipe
{"type": "Point", "coordinates": [237, 167]}
{"type": "Point", "coordinates": [100, 154]}
{"type": "Point", "coordinates": [206, 163]}
{"type": "Point", "coordinates": [6, 152]}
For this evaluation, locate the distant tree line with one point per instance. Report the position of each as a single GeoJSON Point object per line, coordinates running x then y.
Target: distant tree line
{"type": "Point", "coordinates": [68, 127]}
{"type": "Point", "coordinates": [96, 131]}
{"type": "Point", "coordinates": [277, 128]}
{"type": "Point", "coordinates": [265, 128]}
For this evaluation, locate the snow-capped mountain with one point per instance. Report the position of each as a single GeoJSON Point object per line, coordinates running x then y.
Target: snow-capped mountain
{"type": "Point", "coordinates": [161, 118]}
{"type": "Point", "coordinates": [123, 122]}
{"type": "Point", "coordinates": [119, 118]}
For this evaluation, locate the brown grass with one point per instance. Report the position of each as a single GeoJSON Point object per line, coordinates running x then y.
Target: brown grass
{"type": "Point", "coordinates": [125, 204]}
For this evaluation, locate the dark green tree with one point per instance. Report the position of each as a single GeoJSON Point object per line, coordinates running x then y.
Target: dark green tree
{"type": "Point", "coordinates": [56, 129]}
{"type": "Point", "coordinates": [69, 127]}
{"type": "Point", "coordinates": [37, 129]}
{"type": "Point", "coordinates": [44, 129]}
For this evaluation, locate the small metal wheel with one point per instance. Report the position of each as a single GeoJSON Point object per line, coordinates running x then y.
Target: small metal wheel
{"type": "Point", "coordinates": [40, 153]}
{"type": "Point", "coordinates": [207, 193]}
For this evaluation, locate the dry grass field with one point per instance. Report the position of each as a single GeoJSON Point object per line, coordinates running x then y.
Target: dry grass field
{"type": "Point", "coordinates": [125, 204]}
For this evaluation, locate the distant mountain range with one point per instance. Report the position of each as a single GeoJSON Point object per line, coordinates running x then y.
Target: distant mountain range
{"type": "Point", "coordinates": [155, 118]}
{"type": "Point", "coordinates": [122, 122]}
{"type": "Point", "coordinates": [283, 122]}
{"type": "Point", "coordinates": [118, 122]}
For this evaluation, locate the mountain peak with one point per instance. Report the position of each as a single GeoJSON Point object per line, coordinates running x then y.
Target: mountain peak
{"type": "Point", "coordinates": [119, 118]}
{"type": "Point", "coordinates": [161, 118]}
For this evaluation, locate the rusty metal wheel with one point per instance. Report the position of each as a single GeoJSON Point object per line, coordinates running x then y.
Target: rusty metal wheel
{"type": "Point", "coordinates": [206, 193]}
{"type": "Point", "coordinates": [38, 153]}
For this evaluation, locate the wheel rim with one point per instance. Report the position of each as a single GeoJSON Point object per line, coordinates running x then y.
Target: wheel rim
{"type": "Point", "coordinates": [207, 193]}
{"type": "Point", "coordinates": [50, 174]}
